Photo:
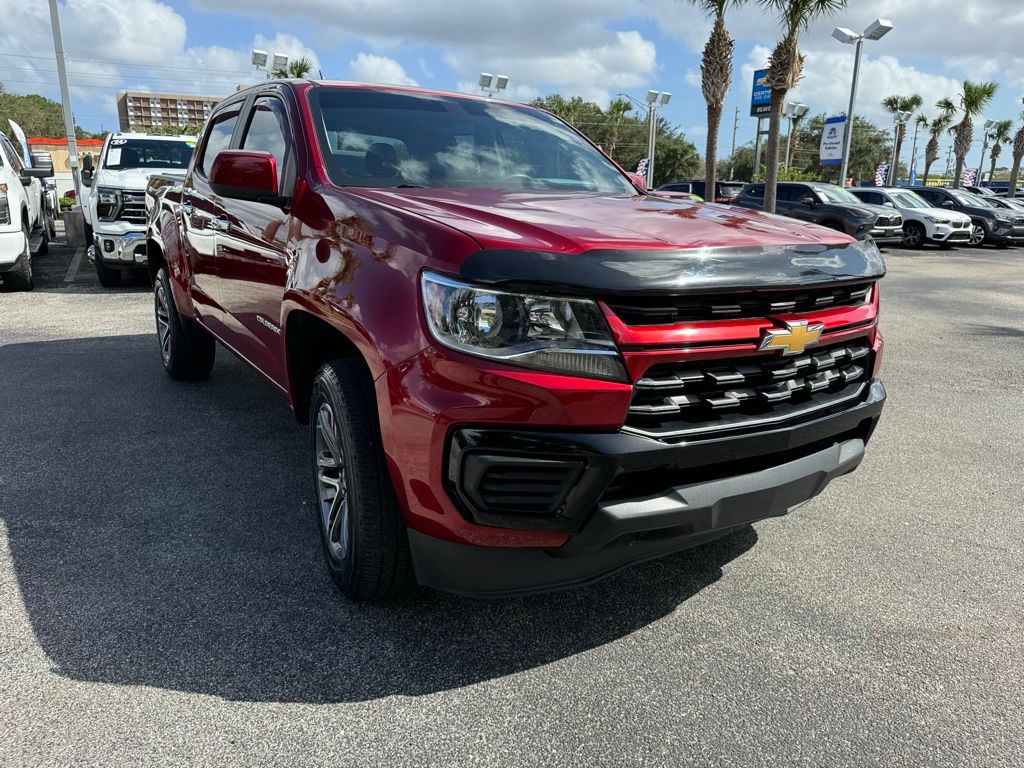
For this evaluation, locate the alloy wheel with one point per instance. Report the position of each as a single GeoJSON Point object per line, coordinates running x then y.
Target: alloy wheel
{"type": "Point", "coordinates": [912, 237]}
{"type": "Point", "coordinates": [977, 234]}
{"type": "Point", "coordinates": [163, 323]}
{"type": "Point", "coordinates": [331, 483]}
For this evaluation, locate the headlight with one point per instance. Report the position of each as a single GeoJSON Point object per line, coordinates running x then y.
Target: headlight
{"type": "Point", "coordinates": [1004, 219]}
{"type": "Point", "coordinates": [107, 202]}
{"type": "Point", "coordinates": [5, 209]}
{"type": "Point", "coordinates": [934, 220]}
{"type": "Point", "coordinates": [549, 333]}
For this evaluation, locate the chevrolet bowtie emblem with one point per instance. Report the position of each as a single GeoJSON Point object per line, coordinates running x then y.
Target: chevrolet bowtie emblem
{"type": "Point", "coordinates": [793, 339]}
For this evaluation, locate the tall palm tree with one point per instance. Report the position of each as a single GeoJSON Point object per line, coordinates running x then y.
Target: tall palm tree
{"type": "Point", "coordinates": [939, 124]}
{"type": "Point", "coordinates": [715, 77]}
{"type": "Point", "coordinates": [784, 70]}
{"type": "Point", "coordinates": [892, 105]}
{"type": "Point", "coordinates": [973, 99]}
{"type": "Point", "coordinates": [297, 68]}
{"type": "Point", "coordinates": [1000, 134]}
{"type": "Point", "coordinates": [1018, 156]}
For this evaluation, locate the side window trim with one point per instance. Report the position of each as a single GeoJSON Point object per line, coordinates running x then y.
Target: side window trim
{"type": "Point", "coordinates": [286, 174]}
{"type": "Point", "coordinates": [225, 114]}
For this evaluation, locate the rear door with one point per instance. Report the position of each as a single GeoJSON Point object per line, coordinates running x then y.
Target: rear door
{"type": "Point", "coordinates": [788, 201]}
{"type": "Point", "coordinates": [252, 260]}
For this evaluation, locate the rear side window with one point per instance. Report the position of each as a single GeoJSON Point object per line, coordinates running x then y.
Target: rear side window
{"type": "Point", "coordinates": [791, 192]}
{"type": "Point", "coordinates": [755, 190]}
{"type": "Point", "coordinates": [729, 190]}
{"type": "Point", "coordinates": [12, 156]}
{"type": "Point", "coordinates": [218, 137]}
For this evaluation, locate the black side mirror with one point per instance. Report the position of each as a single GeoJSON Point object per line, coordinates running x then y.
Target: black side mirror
{"type": "Point", "coordinates": [87, 163]}
{"type": "Point", "coordinates": [948, 204]}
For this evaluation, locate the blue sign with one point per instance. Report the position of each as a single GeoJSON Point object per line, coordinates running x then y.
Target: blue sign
{"type": "Point", "coordinates": [761, 96]}
{"type": "Point", "coordinates": [832, 134]}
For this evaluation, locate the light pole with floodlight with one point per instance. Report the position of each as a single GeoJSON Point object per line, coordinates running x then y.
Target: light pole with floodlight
{"type": "Point", "coordinates": [793, 112]}
{"type": "Point", "coordinates": [899, 120]}
{"type": "Point", "coordinates": [985, 136]}
{"type": "Point", "coordinates": [875, 31]}
{"type": "Point", "coordinates": [655, 99]}
{"type": "Point", "coordinates": [499, 82]}
{"type": "Point", "coordinates": [263, 61]}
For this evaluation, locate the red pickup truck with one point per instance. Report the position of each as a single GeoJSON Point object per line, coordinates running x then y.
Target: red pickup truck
{"type": "Point", "coordinates": [520, 371]}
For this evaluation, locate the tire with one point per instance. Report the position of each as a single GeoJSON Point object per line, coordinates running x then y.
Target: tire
{"type": "Point", "coordinates": [977, 235]}
{"type": "Point", "coordinates": [19, 277]}
{"type": "Point", "coordinates": [187, 351]}
{"type": "Point", "coordinates": [914, 235]}
{"type": "Point", "coordinates": [364, 538]}
{"type": "Point", "coordinates": [108, 276]}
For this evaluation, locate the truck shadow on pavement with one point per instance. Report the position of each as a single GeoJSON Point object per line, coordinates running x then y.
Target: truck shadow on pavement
{"type": "Point", "coordinates": [162, 535]}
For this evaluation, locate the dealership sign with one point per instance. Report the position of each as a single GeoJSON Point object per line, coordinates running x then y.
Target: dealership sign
{"type": "Point", "coordinates": [831, 151]}
{"type": "Point", "coordinates": [761, 96]}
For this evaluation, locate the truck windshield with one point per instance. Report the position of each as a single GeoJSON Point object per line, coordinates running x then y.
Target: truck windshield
{"type": "Point", "coordinates": [837, 195]}
{"type": "Point", "coordinates": [147, 153]}
{"type": "Point", "coordinates": [374, 138]}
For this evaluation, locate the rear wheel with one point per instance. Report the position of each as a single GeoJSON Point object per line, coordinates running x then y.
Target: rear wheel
{"type": "Point", "coordinates": [977, 235]}
{"type": "Point", "coordinates": [913, 234]}
{"type": "Point", "coordinates": [187, 351]}
{"type": "Point", "coordinates": [19, 277]}
{"type": "Point", "coordinates": [364, 539]}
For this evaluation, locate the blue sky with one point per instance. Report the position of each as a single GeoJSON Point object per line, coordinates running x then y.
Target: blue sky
{"type": "Point", "coordinates": [593, 48]}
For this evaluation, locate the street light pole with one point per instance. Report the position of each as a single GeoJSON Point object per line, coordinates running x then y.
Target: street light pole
{"type": "Point", "coordinates": [650, 146]}
{"type": "Point", "coordinates": [913, 153]}
{"type": "Point", "coordinates": [984, 148]}
{"type": "Point", "coordinates": [65, 100]}
{"type": "Point", "coordinates": [878, 29]}
{"type": "Point", "coordinates": [899, 120]}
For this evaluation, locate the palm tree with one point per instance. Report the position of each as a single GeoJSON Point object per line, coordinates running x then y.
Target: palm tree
{"type": "Point", "coordinates": [1018, 156]}
{"type": "Point", "coordinates": [715, 77]}
{"type": "Point", "coordinates": [938, 126]}
{"type": "Point", "coordinates": [784, 70]}
{"type": "Point", "coordinates": [297, 68]}
{"type": "Point", "coordinates": [892, 105]}
{"type": "Point", "coordinates": [974, 98]}
{"type": "Point", "coordinates": [1000, 134]}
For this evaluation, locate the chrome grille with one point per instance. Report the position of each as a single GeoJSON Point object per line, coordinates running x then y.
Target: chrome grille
{"type": "Point", "coordinates": [683, 399]}
{"type": "Point", "coordinates": [133, 207]}
{"type": "Point", "coordinates": [666, 310]}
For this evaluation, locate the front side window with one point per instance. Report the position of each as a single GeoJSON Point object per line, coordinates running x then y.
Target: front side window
{"type": "Point", "coordinates": [218, 137]}
{"type": "Point", "coordinates": [123, 154]}
{"type": "Point", "coordinates": [970, 199]}
{"type": "Point", "coordinates": [373, 138]}
{"type": "Point", "coordinates": [910, 200]}
{"type": "Point", "coordinates": [836, 195]}
{"type": "Point", "coordinates": [12, 156]}
{"type": "Point", "coordinates": [266, 131]}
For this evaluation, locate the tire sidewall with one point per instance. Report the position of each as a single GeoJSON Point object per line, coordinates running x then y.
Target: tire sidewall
{"type": "Point", "coordinates": [919, 230]}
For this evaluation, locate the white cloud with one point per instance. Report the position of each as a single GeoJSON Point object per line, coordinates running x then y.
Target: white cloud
{"type": "Point", "coordinates": [825, 86]}
{"type": "Point", "coordinates": [370, 68]}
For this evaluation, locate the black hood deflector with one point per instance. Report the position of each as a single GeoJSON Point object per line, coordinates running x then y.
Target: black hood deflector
{"type": "Point", "coordinates": [674, 271]}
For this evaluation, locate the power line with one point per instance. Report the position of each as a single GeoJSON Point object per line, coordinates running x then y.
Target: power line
{"type": "Point", "coordinates": [199, 65]}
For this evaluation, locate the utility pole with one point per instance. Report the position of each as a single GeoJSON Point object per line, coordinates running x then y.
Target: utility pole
{"type": "Point", "coordinates": [913, 156]}
{"type": "Point", "coordinates": [732, 156]}
{"type": "Point", "coordinates": [757, 151]}
{"type": "Point", "coordinates": [949, 161]}
{"type": "Point", "coordinates": [65, 99]}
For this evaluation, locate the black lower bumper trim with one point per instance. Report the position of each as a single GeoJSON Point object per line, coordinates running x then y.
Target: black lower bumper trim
{"type": "Point", "coordinates": [624, 533]}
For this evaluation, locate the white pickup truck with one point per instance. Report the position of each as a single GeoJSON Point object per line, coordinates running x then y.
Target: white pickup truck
{"type": "Point", "coordinates": [115, 201]}
{"type": "Point", "coordinates": [26, 219]}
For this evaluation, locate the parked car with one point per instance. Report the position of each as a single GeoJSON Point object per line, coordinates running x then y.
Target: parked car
{"type": "Point", "coordinates": [725, 191]}
{"type": "Point", "coordinates": [1007, 203]}
{"type": "Point", "coordinates": [988, 223]}
{"type": "Point", "coordinates": [115, 208]}
{"type": "Point", "coordinates": [26, 221]}
{"type": "Point", "coordinates": [829, 206]}
{"type": "Point", "coordinates": [982, 191]}
{"type": "Point", "coordinates": [513, 381]}
{"type": "Point", "coordinates": [921, 222]}
{"type": "Point", "coordinates": [687, 196]}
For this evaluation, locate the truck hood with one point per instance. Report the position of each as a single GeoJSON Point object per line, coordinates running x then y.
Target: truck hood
{"type": "Point", "coordinates": [585, 243]}
{"type": "Point", "coordinates": [132, 178]}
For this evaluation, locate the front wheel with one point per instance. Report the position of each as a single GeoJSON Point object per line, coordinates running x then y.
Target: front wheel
{"type": "Point", "coordinates": [977, 235]}
{"type": "Point", "coordinates": [187, 351]}
{"type": "Point", "coordinates": [364, 539]}
{"type": "Point", "coordinates": [913, 235]}
{"type": "Point", "coordinates": [19, 278]}
{"type": "Point", "coordinates": [108, 276]}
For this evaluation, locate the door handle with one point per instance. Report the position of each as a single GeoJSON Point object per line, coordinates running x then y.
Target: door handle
{"type": "Point", "coordinates": [220, 225]}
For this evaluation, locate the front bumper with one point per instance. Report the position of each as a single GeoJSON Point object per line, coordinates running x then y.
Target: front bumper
{"type": "Point", "coordinates": [887, 234]}
{"type": "Point", "coordinates": [943, 233]}
{"type": "Point", "coordinates": [120, 250]}
{"type": "Point", "coordinates": [636, 498]}
{"type": "Point", "coordinates": [1004, 235]}
{"type": "Point", "coordinates": [12, 246]}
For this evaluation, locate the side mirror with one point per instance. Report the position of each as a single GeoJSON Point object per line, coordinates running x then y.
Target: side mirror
{"type": "Point", "coordinates": [809, 200]}
{"type": "Point", "coordinates": [86, 177]}
{"type": "Point", "coordinates": [87, 163]}
{"type": "Point", "coordinates": [948, 204]}
{"type": "Point", "coordinates": [42, 163]}
{"type": "Point", "coordinates": [245, 175]}
{"type": "Point", "coordinates": [887, 204]}
{"type": "Point", "coordinates": [638, 180]}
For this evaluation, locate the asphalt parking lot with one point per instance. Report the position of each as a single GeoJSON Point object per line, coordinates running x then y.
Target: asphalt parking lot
{"type": "Point", "coordinates": [163, 601]}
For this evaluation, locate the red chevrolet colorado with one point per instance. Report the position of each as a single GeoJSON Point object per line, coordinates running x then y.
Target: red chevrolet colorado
{"type": "Point", "coordinates": [519, 370]}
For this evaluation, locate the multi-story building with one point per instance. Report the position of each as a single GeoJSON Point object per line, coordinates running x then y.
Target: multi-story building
{"type": "Point", "coordinates": [140, 111]}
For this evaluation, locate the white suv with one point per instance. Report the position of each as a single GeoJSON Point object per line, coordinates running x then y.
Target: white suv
{"type": "Point", "coordinates": [25, 217]}
{"type": "Point", "coordinates": [116, 198]}
{"type": "Point", "coordinates": [922, 223]}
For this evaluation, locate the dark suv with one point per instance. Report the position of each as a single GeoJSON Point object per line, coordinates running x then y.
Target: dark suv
{"type": "Point", "coordinates": [988, 223]}
{"type": "Point", "coordinates": [725, 191]}
{"type": "Point", "coordinates": [829, 206]}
